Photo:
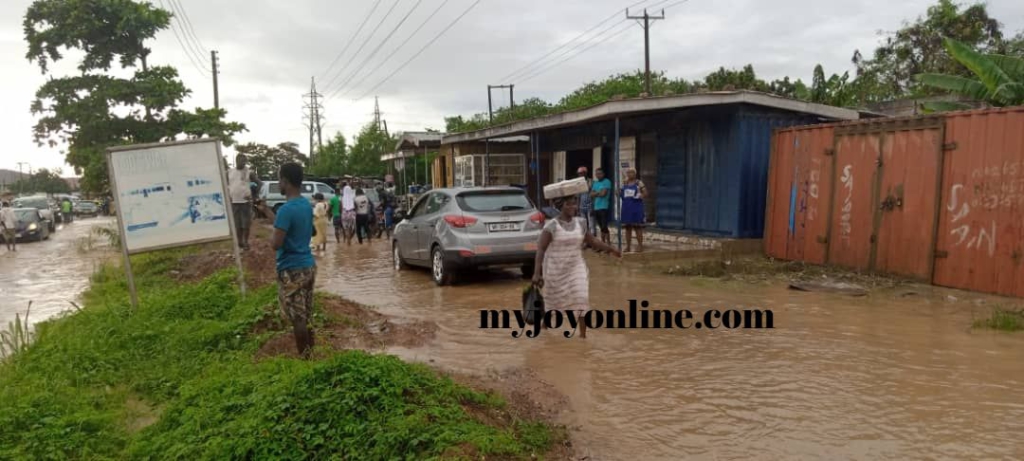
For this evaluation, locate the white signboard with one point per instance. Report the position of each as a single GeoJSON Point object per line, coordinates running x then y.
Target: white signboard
{"type": "Point", "coordinates": [170, 194]}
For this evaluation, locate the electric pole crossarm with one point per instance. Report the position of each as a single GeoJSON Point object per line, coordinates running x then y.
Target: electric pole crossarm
{"type": "Point", "coordinates": [647, 18]}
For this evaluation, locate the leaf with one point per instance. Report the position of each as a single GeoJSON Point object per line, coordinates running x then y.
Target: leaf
{"type": "Point", "coordinates": [1011, 65]}
{"type": "Point", "coordinates": [959, 85]}
{"type": "Point", "coordinates": [987, 71]}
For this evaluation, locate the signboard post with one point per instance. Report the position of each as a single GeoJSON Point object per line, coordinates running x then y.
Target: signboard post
{"type": "Point", "coordinates": [170, 195]}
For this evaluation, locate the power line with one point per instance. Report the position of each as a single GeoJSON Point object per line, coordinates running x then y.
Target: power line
{"type": "Point", "coordinates": [402, 45]}
{"type": "Point", "coordinates": [609, 37]}
{"type": "Point", "coordinates": [569, 52]}
{"type": "Point", "coordinates": [188, 22]}
{"type": "Point", "coordinates": [420, 52]}
{"type": "Point", "coordinates": [371, 54]}
{"type": "Point", "coordinates": [198, 53]}
{"type": "Point", "coordinates": [188, 53]}
{"type": "Point", "coordinates": [351, 39]}
{"type": "Point", "coordinates": [534, 62]}
{"type": "Point", "coordinates": [365, 42]}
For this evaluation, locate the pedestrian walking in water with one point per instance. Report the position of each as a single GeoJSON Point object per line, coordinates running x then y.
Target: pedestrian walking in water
{"type": "Point", "coordinates": [348, 213]}
{"type": "Point", "coordinates": [362, 216]}
{"type": "Point", "coordinates": [633, 192]}
{"type": "Point", "coordinates": [320, 222]}
{"type": "Point", "coordinates": [296, 268]}
{"type": "Point", "coordinates": [336, 216]}
{"type": "Point", "coordinates": [560, 270]}
{"type": "Point", "coordinates": [9, 223]}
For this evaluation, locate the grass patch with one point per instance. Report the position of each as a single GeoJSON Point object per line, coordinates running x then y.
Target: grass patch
{"type": "Point", "coordinates": [1003, 320]}
{"type": "Point", "coordinates": [177, 379]}
{"type": "Point", "coordinates": [759, 269]}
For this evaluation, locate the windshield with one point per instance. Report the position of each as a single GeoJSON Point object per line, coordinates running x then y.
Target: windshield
{"type": "Point", "coordinates": [37, 203]}
{"type": "Point", "coordinates": [372, 195]}
{"type": "Point", "coordinates": [501, 200]}
{"type": "Point", "coordinates": [273, 188]}
{"type": "Point", "coordinates": [26, 215]}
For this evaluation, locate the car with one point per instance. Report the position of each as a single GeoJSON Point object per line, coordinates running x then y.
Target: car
{"type": "Point", "coordinates": [30, 224]}
{"type": "Point", "coordinates": [271, 194]}
{"type": "Point", "coordinates": [86, 208]}
{"type": "Point", "coordinates": [457, 229]}
{"type": "Point", "coordinates": [41, 203]}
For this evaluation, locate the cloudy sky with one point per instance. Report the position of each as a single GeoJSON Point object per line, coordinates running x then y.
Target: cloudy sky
{"type": "Point", "coordinates": [270, 49]}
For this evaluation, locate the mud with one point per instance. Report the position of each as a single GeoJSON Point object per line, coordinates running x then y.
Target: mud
{"type": "Point", "coordinates": [258, 263]}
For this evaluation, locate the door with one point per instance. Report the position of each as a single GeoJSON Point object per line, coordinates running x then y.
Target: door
{"type": "Point", "coordinates": [407, 233]}
{"type": "Point", "coordinates": [426, 227]}
{"type": "Point", "coordinates": [908, 199]}
{"type": "Point", "coordinates": [853, 200]}
{"type": "Point", "coordinates": [558, 167]}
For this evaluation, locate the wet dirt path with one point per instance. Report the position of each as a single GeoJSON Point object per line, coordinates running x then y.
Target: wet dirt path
{"type": "Point", "coordinates": [881, 377]}
{"type": "Point", "coordinates": [51, 273]}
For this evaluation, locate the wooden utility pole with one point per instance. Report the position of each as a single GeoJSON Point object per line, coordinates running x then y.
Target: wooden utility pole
{"type": "Point", "coordinates": [647, 44]}
{"type": "Point", "coordinates": [216, 88]}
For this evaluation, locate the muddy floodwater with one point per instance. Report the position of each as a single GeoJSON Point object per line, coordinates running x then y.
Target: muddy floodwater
{"type": "Point", "coordinates": [51, 273]}
{"type": "Point", "coordinates": [879, 377]}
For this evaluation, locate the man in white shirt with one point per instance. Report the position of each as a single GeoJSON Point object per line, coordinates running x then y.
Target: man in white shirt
{"type": "Point", "coordinates": [8, 223]}
{"type": "Point", "coordinates": [239, 179]}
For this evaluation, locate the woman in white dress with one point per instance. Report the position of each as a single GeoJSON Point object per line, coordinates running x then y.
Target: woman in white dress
{"type": "Point", "coordinates": [560, 271]}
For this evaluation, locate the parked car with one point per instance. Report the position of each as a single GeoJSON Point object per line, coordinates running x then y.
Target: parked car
{"type": "Point", "coordinates": [41, 203]}
{"type": "Point", "coordinates": [31, 225]}
{"type": "Point", "coordinates": [86, 208]}
{"type": "Point", "coordinates": [271, 192]}
{"type": "Point", "coordinates": [457, 229]}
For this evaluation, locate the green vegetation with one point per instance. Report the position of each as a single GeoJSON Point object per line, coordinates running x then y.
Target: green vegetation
{"type": "Point", "coordinates": [42, 181]}
{"type": "Point", "coordinates": [17, 336]}
{"type": "Point", "coordinates": [1002, 319]}
{"type": "Point", "coordinates": [177, 379]}
{"type": "Point", "coordinates": [998, 79]}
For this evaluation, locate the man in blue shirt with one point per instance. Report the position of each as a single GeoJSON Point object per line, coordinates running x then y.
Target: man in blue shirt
{"type": "Point", "coordinates": [296, 268]}
{"type": "Point", "coordinates": [601, 192]}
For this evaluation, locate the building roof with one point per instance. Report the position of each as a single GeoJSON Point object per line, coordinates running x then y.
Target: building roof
{"type": "Point", "coordinates": [610, 109]}
{"type": "Point", "coordinates": [418, 139]}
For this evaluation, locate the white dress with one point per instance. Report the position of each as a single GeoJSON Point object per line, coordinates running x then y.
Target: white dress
{"type": "Point", "coordinates": [566, 278]}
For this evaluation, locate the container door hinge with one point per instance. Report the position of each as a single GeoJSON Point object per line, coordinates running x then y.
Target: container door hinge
{"type": "Point", "coordinates": [941, 254]}
{"type": "Point", "coordinates": [822, 239]}
{"type": "Point", "coordinates": [949, 146]}
{"type": "Point", "coordinates": [874, 238]}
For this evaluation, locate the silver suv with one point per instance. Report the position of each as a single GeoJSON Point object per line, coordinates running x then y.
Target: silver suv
{"type": "Point", "coordinates": [271, 192]}
{"type": "Point", "coordinates": [450, 230]}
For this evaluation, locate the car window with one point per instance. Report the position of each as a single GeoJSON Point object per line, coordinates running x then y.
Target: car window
{"type": "Point", "coordinates": [499, 200]}
{"type": "Point", "coordinates": [419, 208]}
{"type": "Point", "coordinates": [324, 189]}
{"type": "Point", "coordinates": [274, 188]}
{"type": "Point", "coordinates": [436, 202]}
{"type": "Point", "coordinates": [307, 188]}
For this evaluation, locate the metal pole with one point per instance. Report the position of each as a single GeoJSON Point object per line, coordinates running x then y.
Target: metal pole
{"type": "Point", "coordinates": [512, 100]}
{"type": "Point", "coordinates": [231, 221]}
{"type": "Point", "coordinates": [647, 51]}
{"type": "Point", "coordinates": [615, 187]}
{"type": "Point", "coordinates": [216, 88]}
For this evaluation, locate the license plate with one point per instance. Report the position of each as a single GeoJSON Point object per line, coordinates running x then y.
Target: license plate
{"type": "Point", "coordinates": [503, 227]}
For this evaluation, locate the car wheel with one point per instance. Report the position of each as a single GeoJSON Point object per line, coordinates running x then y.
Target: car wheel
{"type": "Point", "coordinates": [527, 270]}
{"type": "Point", "coordinates": [441, 272]}
{"type": "Point", "coordinates": [396, 256]}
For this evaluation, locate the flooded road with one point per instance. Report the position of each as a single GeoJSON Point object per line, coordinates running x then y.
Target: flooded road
{"type": "Point", "coordinates": [880, 377]}
{"type": "Point", "coordinates": [51, 273]}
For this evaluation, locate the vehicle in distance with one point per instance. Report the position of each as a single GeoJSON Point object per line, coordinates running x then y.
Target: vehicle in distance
{"type": "Point", "coordinates": [41, 203]}
{"type": "Point", "coordinates": [29, 224]}
{"type": "Point", "coordinates": [271, 194]}
{"type": "Point", "coordinates": [458, 229]}
{"type": "Point", "coordinates": [86, 208]}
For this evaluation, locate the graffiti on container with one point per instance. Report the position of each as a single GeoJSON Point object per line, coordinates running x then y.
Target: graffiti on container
{"type": "Point", "coordinates": [809, 205]}
{"type": "Point", "coordinates": [975, 238]}
{"type": "Point", "coordinates": [844, 221]}
{"type": "Point", "coordinates": [997, 186]}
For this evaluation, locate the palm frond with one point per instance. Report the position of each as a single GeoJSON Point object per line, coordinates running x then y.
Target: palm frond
{"type": "Point", "coordinates": [958, 85]}
{"type": "Point", "coordinates": [991, 75]}
{"type": "Point", "coordinates": [943, 106]}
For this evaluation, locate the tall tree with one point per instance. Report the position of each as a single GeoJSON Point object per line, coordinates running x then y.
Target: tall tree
{"type": "Point", "coordinates": [94, 109]}
{"type": "Point", "coordinates": [331, 159]}
{"type": "Point", "coordinates": [364, 157]}
{"type": "Point", "coordinates": [266, 160]}
{"type": "Point", "coordinates": [43, 180]}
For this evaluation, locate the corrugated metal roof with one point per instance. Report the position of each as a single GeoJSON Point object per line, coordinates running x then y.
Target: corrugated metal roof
{"type": "Point", "coordinates": [640, 105]}
{"type": "Point", "coordinates": [418, 138]}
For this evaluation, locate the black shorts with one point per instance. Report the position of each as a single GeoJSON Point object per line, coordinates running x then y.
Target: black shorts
{"type": "Point", "coordinates": [601, 216]}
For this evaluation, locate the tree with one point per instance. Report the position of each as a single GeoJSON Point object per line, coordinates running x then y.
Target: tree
{"type": "Point", "coordinates": [266, 160]}
{"type": "Point", "coordinates": [997, 79]}
{"type": "Point", "coordinates": [917, 48]}
{"type": "Point", "coordinates": [43, 180]}
{"type": "Point", "coordinates": [364, 157]}
{"type": "Point", "coordinates": [621, 85]}
{"type": "Point", "coordinates": [330, 161]}
{"type": "Point", "coordinates": [731, 79]}
{"type": "Point", "coordinates": [93, 110]}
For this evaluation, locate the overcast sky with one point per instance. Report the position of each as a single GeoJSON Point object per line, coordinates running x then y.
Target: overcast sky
{"type": "Point", "coordinates": [270, 49]}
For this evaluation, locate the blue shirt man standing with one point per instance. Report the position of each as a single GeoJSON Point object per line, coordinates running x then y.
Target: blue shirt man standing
{"type": "Point", "coordinates": [296, 268]}
{"type": "Point", "coordinates": [601, 192]}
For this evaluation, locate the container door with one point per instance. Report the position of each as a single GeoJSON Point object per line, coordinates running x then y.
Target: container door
{"type": "Point", "coordinates": [907, 202]}
{"type": "Point", "coordinates": [853, 203]}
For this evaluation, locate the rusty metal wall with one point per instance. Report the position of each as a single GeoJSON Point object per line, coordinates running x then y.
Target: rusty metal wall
{"type": "Point", "coordinates": [980, 236]}
{"type": "Point", "coordinates": [935, 198]}
{"type": "Point", "coordinates": [799, 190]}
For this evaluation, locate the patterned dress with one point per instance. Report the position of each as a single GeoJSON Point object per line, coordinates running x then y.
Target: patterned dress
{"type": "Point", "coordinates": [566, 278]}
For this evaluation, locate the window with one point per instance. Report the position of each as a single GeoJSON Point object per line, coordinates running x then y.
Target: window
{"type": "Point", "coordinates": [436, 202]}
{"type": "Point", "coordinates": [307, 188]}
{"type": "Point", "coordinates": [324, 189]}
{"type": "Point", "coordinates": [494, 201]}
{"type": "Point", "coordinates": [274, 188]}
{"type": "Point", "coordinates": [421, 205]}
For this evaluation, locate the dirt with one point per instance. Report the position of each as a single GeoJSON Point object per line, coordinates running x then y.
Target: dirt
{"type": "Point", "coordinates": [258, 262]}
{"type": "Point", "coordinates": [762, 270]}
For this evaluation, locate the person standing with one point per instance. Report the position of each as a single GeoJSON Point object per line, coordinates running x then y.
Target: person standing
{"type": "Point", "coordinates": [560, 270]}
{"type": "Point", "coordinates": [296, 268]}
{"type": "Point", "coordinates": [362, 215]}
{"type": "Point", "coordinates": [336, 216]}
{"type": "Point", "coordinates": [320, 222]}
{"type": "Point", "coordinates": [239, 179]}
{"type": "Point", "coordinates": [348, 213]}
{"type": "Point", "coordinates": [66, 211]}
{"type": "Point", "coordinates": [601, 191]}
{"type": "Point", "coordinates": [585, 201]}
{"type": "Point", "coordinates": [9, 222]}
{"type": "Point", "coordinates": [633, 193]}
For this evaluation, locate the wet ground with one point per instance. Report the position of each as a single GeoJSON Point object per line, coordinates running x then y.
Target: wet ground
{"type": "Point", "coordinates": [886, 376]}
{"type": "Point", "coordinates": [51, 273]}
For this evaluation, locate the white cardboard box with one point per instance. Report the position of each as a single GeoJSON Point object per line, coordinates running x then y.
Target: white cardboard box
{"type": "Point", "coordinates": [566, 188]}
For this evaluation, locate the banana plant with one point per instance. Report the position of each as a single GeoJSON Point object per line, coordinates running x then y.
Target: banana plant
{"type": "Point", "coordinates": [999, 79]}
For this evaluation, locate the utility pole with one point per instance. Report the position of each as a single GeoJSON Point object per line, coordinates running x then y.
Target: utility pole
{"type": "Point", "coordinates": [315, 116]}
{"type": "Point", "coordinates": [647, 44]}
{"type": "Point", "coordinates": [216, 88]}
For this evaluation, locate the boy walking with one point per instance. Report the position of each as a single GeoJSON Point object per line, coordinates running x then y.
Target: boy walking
{"type": "Point", "coordinates": [296, 268]}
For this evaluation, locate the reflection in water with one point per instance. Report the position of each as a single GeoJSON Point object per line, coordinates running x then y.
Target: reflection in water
{"type": "Point", "coordinates": [838, 378]}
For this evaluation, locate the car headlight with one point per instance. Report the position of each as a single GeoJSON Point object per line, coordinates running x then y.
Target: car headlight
{"type": "Point", "coordinates": [32, 226]}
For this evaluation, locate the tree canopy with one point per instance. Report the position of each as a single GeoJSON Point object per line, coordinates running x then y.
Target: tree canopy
{"type": "Point", "coordinates": [267, 160]}
{"type": "Point", "coordinates": [42, 180]}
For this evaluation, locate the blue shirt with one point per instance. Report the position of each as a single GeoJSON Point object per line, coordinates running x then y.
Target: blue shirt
{"type": "Point", "coordinates": [295, 218]}
{"type": "Point", "coordinates": [602, 203]}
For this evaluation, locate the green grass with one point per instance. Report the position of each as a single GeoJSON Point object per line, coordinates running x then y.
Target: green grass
{"type": "Point", "coordinates": [176, 379]}
{"type": "Point", "coordinates": [1002, 319]}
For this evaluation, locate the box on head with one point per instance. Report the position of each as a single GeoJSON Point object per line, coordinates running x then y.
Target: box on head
{"type": "Point", "coordinates": [566, 188]}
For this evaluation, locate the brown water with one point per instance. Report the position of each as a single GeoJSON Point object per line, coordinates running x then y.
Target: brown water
{"type": "Point", "coordinates": [51, 273]}
{"type": "Point", "coordinates": [881, 377]}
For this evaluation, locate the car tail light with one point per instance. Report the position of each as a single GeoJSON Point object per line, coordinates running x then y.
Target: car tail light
{"type": "Point", "coordinates": [537, 217]}
{"type": "Point", "coordinates": [459, 221]}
